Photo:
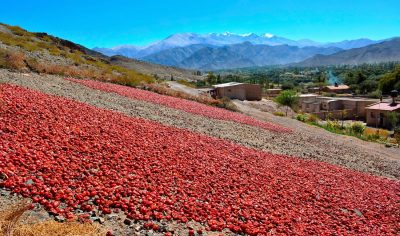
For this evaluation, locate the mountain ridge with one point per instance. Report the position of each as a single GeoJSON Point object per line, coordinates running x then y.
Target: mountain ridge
{"type": "Point", "coordinates": [375, 53]}
{"type": "Point", "coordinates": [222, 39]}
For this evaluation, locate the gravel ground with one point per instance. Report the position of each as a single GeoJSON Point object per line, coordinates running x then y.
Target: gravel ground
{"type": "Point", "coordinates": [306, 141]}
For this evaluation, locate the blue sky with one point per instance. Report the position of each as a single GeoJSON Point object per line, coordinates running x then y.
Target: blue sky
{"type": "Point", "coordinates": [109, 23]}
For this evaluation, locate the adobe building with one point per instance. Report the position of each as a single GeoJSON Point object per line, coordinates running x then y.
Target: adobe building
{"type": "Point", "coordinates": [241, 91]}
{"type": "Point", "coordinates": [336, 88]}
{"type": "Point", "coordinates": [378, 113]}
{"type": "Point", "coordinates": [273, 92]}
{"type": "Point", "coordinates": [321, 106]}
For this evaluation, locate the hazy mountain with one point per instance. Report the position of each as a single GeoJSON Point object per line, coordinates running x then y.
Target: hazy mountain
{"type": "Point", "coordinates": [215, 39]}
{"type": "Point", "coordinates": [218, 39]}
{"type": "Point", "coordinates": [245, 54]}
{"type": "Point", "coordinates": [375, 53]}
{"type": "Point", "coordinates": [349, 44]}
{"type": "Point", "coordinates": [174, 56]}
{"type": "Point", "coordinates": [228, 50]}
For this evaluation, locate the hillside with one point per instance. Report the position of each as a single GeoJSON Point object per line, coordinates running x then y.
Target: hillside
{"type": "Point", "coordinates": [381, 52]}
{"type": "Point", "coordinates": [160, 71]}
{"type": "Point", "coordinates": [152, 164]}
{"type": "Point", "coordinates": [40, 52]}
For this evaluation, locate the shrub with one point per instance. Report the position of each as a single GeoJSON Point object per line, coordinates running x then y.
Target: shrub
{"type": "Point", "coordinates": [312, 118]}
{"type": "Point", "coordinates": [15, 60]}
{"type": "Point", "coordinates": [333, 125]}
{"type": "Point", "coordinates": [227, 104]}
{"type": "Point", "coordinates": [397, 134]}
{"type": "Point", "coordinates": [301, 117]}
{"type": "Point", "coordinates": [287, 98]}
{"type": "Point", "coordinates": [375, 94]}
{"type": "Point", "coordinates": [357, 128]}
{"type": "Point", "coordinates": [373, 137]}
{"type": "Point", "coordinates": [278, 113]}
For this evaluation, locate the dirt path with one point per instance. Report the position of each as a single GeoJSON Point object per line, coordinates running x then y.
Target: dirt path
{"type": "Point", "coordinates": [182, 88]}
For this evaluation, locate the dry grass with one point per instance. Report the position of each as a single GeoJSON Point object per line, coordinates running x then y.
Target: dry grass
{"type": "Point", "coordinates": [15, 60]}
{"type": "Point", "coordinates": [372, 131]}
{"type": "Point", "coordinates": [11, 225]}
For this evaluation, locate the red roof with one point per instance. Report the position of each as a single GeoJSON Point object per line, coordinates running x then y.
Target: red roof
{"type": "Point", "coordinates": [383, 106]}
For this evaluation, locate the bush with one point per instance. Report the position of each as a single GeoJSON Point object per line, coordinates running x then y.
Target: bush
{"type": "Point", "coordinates": [301, 117]}
{"type": "Point", "coordinates": [227, 104]}
{"type": "Point", "coordinates": [375, 94]}
{"type": "Point", "coordinates": [333, 125]}
{"type": "Point", "coordinates": [312, 118]}
{"type": "Point", "coordinates": [357, 128]}
{"type": "Point", "coordinates": [15, 60]}
{"type": "Point", "coordinates": [278, 113]}
{"type": "Point", "coordinates": [397, 134]}
{"type": "Point", "coordinates": [373, 137]}
{"type": "Point", "coordinates": [287, 98]}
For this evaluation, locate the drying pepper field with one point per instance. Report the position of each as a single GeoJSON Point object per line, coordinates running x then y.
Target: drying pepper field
{"type": "Point", "coordinates": [67, 155]}
{"type": "Point", "coordinates": [181, 104]}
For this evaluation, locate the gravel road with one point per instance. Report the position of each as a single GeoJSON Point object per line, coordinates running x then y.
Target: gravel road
{"type": "Point", "coordinates": [306, 142]}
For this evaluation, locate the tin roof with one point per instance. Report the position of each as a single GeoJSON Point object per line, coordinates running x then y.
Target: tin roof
{"type": "Point", "coordinates": [308, 95]}
{"type": "Point", "coordinates": [384, 106]}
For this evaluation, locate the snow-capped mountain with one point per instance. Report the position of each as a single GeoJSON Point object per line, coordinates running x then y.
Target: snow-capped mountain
{"type": "Point", "coordinates": [215, 39]}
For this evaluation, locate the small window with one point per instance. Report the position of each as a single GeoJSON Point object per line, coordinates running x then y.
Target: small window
{"type": "Point", "coordinates": [372, 115]}
{"type": "Point", "coordinates": [229, 90]}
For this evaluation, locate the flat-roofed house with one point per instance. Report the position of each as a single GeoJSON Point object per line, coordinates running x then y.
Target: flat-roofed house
{"type": "Point", "coordinates": [321, 106]}
{"type": "Point", "coordinates": [336, 88]}
{"type": "Point", "coordinates": [241, 91]}
{"type": "Point", "coordinates": [377, 114]}
{"type": "Point", "coordinates": [273, 92]}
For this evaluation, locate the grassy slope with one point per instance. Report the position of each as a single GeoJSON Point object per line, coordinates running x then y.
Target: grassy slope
{"type": "Point", "coordinates": [25, 51]}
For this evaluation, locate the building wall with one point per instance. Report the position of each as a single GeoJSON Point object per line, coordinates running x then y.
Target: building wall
{"type": "Point", "coordinates": [241, 92]}
{"type": "Point", "coordinates": [233, 92]}
{"type": "Point", "coordinates": [373, 118]}
{"type": "Point", "coordinates": [327, 104]}
{"type": "Point", "coordinates": [307, 99]}
{"type": "Point", "coordinates": [335, 114]}
{"type": "Point", "coordinates": [310, 107]}
{"type": "Point", "coordinates": [253, 92]}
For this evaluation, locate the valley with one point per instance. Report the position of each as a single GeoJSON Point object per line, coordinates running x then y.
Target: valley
{"type": "Point", "coordinates": [140, 141]}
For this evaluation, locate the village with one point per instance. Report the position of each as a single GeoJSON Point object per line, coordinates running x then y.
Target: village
{"type": "Point", "coordinates": [376, 115]}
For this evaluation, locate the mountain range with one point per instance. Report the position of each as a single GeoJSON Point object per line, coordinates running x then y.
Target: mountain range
{"type": "Point", "coordinates": [227, 50]}
{"type": "Point", "coordinates": [375, 53]}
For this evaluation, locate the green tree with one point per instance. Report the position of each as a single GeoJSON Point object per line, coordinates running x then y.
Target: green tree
{"type": "Point", "coordinates": [394, 118]}
{"type": "Point", "coordinates": [320, 81]}
{"type": "Point", "coordinates": [219, 80]}
{"type": "Point", "coordinates": [390, 81]}
{"type": "Point", "coordinates": [211, 78]}
{"type": "Point", "coordinates": [288, 98]}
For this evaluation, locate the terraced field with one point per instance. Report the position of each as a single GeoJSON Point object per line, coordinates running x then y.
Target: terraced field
{"type": "Point", "coordinates": [89, 150]}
